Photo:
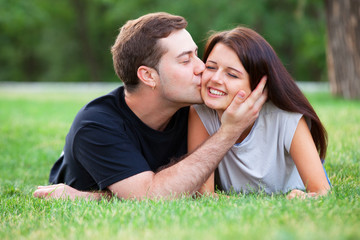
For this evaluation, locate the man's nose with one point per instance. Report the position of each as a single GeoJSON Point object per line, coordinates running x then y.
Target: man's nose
{"type": "Point", "coordinates": [200, 66]}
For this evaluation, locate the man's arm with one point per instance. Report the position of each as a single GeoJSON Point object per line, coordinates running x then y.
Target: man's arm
{"type": "Point", "coordinates": [188, 175]}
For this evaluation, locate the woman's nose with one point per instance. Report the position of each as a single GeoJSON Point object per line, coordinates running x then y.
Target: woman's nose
{"type": "Point", "coordinates": [217, 78]}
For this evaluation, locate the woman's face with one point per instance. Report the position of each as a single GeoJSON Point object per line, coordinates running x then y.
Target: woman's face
{"type": "Point", "coordinates": [223, 78]}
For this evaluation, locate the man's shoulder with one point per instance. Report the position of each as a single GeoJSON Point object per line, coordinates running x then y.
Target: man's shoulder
{"type": "Point", "coordinates": [108, 101]}
{"type": "Point", "coordinates": [105, 109]}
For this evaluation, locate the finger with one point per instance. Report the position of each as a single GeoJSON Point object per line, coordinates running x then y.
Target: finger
{"type": "Point", "coordinates": [257, 92]}
{"type": "Point", "coordinates": [261, 99]}
{"type": "Point", "coordinates": [260, 102]}
{"type": "Point", "coordinates": [261, 86]}
{"type": "Point", "coordinates": [237, 101]}
{"type": "Point", "coordinates": [302, 196]}
{"type": "Point", "coordinates": [290, 196]}
{"type": "Point", "coordinates": [54, 192]}
{"type": "Point", "coordinates": [36, 194]}
{"type": "Point", "coordinates": [295, 193]}
{"type": "Point", "coordinates": [51, 186]}
{"type": "Point", "coordinates": [312, 195]}
{"type": "Point", "coordinates": [257, 97]}
{"type": "Point", "coordinates": [44, 187]}
{"type": "Point", "coordinates": [42, 193]}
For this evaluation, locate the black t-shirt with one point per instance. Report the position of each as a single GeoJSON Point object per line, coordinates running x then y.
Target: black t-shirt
{"type": "Point", "coordinates": [107, 143]}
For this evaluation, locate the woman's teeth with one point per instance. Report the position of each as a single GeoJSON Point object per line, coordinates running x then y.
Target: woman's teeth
{"type": "Point", "coordinates": [216, 92]}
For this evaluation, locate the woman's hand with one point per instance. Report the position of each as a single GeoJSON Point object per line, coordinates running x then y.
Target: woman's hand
{"type": "Point", "coordinates": [295, 193]}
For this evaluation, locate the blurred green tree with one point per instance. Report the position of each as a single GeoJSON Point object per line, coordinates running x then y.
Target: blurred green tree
{"type": "Point", "coordinates": [70, 40]}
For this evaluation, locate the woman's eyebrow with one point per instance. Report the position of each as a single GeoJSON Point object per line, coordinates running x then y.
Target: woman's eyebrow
{"type": "Point", "coordinates": [231, 68]}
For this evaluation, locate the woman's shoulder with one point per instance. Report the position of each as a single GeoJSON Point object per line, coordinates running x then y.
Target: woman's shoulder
{"type": "Point", "coordinates": [208, 117]}
{"type": "Point", "coordinates": [270, 109]}
{"type": "Point", "coordinates": [279, 119]}
{"type": "Point", "coordinates": [202, 109]}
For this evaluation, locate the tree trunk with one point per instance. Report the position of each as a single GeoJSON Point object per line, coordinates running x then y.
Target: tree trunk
{"type": "Point", "coordinates": [83, 37]}
{"type": "Point", "coordinates": [343, 48]}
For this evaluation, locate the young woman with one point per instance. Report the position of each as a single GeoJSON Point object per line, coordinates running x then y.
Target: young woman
{"type": "Point", "coordinates": [281, 150]}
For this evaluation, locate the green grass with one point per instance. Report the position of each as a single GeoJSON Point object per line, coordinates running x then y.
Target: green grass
{"type": "Point", "coordinates": [33, 127]}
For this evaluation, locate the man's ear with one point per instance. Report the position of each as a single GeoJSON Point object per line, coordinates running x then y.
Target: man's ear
{"type": "Point", "coordinates": [148, 76]}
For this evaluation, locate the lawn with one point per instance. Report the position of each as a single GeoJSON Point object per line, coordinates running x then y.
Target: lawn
{"type": "Point", "coordinates": [33, 126]}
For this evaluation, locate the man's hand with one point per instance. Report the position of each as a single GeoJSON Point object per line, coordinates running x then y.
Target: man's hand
{"type": "Point", "coordinates": [58, 191]}
{"type": "Point", "coordinates": [186, 176]}
{"type": "Point", "coordinates": [62, 191]}
{"type": "Point", "coordinates": [243, 112]}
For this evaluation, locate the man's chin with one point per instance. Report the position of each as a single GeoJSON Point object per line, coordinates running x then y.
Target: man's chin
{"type": "Point", "coordinates": [199, 101]}
{"type": "Point", "coordinates": [196, 100]}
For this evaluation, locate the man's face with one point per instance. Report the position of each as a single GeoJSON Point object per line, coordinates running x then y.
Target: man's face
{"type": "Point", "coordinates": [180, 69]}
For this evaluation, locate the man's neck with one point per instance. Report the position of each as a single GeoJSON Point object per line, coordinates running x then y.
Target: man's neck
{"type": "Point", "coordinates": [150, 108]}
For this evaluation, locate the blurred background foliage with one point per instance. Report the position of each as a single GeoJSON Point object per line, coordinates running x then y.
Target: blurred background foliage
{"type": "Point", "coordinates": [70, 40]}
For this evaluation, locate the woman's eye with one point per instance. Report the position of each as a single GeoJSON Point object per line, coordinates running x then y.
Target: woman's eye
{"type": "Point", "coordinates": [210, 67]}
{"type": "Point", "coordinates": [232, 75]}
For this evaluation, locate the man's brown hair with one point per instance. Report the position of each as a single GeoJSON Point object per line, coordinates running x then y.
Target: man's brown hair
{"type": "Point", "coordinates": [137, 44]}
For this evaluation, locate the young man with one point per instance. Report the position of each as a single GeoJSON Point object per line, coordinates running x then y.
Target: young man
{"type": "Point", "coordinates": [119, 142]}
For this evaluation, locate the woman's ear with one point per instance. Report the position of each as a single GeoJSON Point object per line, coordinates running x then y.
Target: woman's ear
{"type": "Point", "coordinates": [148, 76]}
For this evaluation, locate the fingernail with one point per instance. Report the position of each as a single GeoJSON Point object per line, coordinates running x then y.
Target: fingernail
{"type": "Point", "coordinates": [241, 94]}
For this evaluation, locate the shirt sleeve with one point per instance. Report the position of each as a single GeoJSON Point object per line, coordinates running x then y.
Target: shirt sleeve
{"type": "Point", "coordinates": [108, 155]}
{"type": "Point", "coordinates": [291, 123]}
{"type": "Point", "coordinates": [208, 117]}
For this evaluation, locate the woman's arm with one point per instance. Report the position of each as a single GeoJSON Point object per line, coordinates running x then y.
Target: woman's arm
{"type": "Point", "coordinates": [307, 160]}
{"type": "Point", "coordinates": [208, 186]}
{"type": "Point", "coordinates": [197, 134]}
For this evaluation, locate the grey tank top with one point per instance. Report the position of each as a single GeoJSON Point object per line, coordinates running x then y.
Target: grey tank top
{"type": "Point", "coordinates": [262, 161]}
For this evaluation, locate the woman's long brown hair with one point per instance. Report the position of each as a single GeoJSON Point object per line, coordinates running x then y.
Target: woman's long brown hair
{"type": "Point", "coordinates": [259, 59]}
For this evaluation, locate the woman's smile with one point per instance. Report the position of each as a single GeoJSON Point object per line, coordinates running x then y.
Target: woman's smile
{"type": "Point", "coordinates": [216, 92]}
{"type": "Point", "coordinates": [223, 78]}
